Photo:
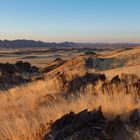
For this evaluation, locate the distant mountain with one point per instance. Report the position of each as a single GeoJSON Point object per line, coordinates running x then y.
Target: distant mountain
{"type": "Point", "coordinates": [31, 44]}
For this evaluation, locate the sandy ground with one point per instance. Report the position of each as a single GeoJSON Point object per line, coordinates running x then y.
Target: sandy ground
{"type": "Point", "coordinates": [39, 56]}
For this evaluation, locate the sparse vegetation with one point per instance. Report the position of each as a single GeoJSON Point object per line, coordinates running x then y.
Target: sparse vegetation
{"type": "Point", "coordinates": [22, 118]}
{"type": "Point", "coordinates": [27, 111]}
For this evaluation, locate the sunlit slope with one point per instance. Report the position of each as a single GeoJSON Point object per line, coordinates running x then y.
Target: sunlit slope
{"type": "Point", "coordinates": [125, 60]}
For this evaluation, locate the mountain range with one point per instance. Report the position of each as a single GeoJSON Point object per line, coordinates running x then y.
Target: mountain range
{"type": "Point", "coordinates": [39, 44]}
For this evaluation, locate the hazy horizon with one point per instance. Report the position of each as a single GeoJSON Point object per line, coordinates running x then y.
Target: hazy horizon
{"type": "Point", "coordinates": [5, 39]}
{"type": "Point", "coordinates": [90, 21]}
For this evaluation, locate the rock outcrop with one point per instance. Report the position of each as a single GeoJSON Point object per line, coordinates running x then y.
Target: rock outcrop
{"type": "Point", "coordinates": [79, 83]}
{"type": "Point", "coordinates": [125, 83]}
{"type": "Point", "coordinates": [90, 125]}
{"type": "Point", "coordinates": [53, 65]}
{"type": "Point", "coordinates": [12, 75]}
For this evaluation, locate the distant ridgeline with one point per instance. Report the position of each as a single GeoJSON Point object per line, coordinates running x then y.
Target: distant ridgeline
{"type": "Point", "coordinates": [31, 43]}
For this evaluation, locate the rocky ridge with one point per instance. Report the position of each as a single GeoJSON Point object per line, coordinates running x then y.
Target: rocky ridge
{"type": "Point", "coordinates": [92, 125]}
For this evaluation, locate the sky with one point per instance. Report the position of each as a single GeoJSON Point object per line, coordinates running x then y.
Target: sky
{"type": "Point", "coordinates": [97, 21]}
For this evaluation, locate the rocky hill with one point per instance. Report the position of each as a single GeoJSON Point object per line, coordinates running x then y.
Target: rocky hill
{"type": "Point", "coordinates": [121, 59]}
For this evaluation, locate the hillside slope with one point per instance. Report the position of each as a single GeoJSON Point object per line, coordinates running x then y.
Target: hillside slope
{"type": "Point", "coordinates": [126, 60]}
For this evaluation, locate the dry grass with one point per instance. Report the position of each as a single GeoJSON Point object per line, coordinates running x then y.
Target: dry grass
{"type": "Point", "coordinates": [21, 118]}
{"type": "Point", "coordinates": [136, 135]}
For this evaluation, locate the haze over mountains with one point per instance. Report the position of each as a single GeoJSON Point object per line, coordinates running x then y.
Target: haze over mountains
{"type": "Point", "coordinates": [32, 43]}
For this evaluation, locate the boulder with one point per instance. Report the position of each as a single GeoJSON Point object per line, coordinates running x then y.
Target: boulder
{"type": "Point", "coordinates": [7, 68]}
{"type": "Point", "coordinates": [82, 126]}
{"type": "Point", "coordinates": [116, 80]}
{"type": "Point", "coordinates": [116, 129]}
{"type": "Point", "coordinates": [135, 117]}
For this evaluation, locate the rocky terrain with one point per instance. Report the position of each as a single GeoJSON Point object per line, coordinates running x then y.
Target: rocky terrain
{"type": "Point", "coordinates": [17, 74]}
{"type": "Point", "coordinates": [92, 125]}
{"type": "Point", "coordinates": [93, 95]}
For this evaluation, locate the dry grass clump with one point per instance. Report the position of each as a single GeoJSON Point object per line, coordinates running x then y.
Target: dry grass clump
{"type": "Point", "coordinates": [136, 135]}
{"type": "Point", "coordinates": [21, 118]}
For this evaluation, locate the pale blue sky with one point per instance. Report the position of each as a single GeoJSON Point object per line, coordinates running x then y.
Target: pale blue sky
{"type": "Point", "coordinates": [71, 20]}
